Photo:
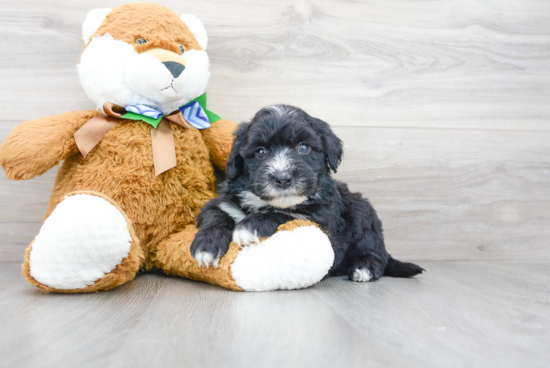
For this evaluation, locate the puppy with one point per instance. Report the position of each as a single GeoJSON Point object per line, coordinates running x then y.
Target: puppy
{"type": "Point", "coordinates": [279, 170]}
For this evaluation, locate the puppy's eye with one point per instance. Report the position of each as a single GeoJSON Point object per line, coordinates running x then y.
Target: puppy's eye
{"type": "Point", "coordinates": [303, 149]}
{"type": "Point", "coordinates": [182, 49]}
{"type": "Point", "coordinates": [141, 41]}
{"type": "Point", "coordinates": [261, 153]}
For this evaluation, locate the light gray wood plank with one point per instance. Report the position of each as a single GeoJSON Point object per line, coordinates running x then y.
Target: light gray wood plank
{"type": "Point", "coordinates": [454, 194]}
{"type": "Point", "coordinates": [401, 63]}
{"type": "Point", "coordinates": [67, 320]}
{"type": "Point", "coordinates": [474, 314]}
{"type": "Point", "coordinates": [16, 237]}
{"type": "Point", "coordinates": [22, 207]}
{"type": "Point", "coordinates": [468, 314]}
{"type": "Point", "coordinates": [441, 194]}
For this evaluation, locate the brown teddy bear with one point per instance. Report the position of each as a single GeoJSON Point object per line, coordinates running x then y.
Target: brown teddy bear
{"type": "Point", "coordinates": [137, 171]}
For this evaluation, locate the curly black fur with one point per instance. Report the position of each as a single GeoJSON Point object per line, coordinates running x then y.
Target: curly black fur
{"type": "Point", "coordinates": [280, 169]}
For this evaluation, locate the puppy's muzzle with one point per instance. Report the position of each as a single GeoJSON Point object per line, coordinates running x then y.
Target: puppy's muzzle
{"type": "Point", "coordinates": [283, 179]}
{"type": "Point", "coordinates": [172, 61]}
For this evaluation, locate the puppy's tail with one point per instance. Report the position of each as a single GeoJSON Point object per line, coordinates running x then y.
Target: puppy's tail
{"type": "Point", "coordinates": [397, 268]}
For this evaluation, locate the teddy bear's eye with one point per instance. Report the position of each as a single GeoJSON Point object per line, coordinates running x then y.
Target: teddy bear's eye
{"type": "Point", "coordinates": [141, 41]}
{"type": "Point", "coordinates": [182, 49]}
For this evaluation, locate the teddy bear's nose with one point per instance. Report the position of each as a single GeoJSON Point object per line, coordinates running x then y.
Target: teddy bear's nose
{"type": "Point", "coordinates": [175, 68]}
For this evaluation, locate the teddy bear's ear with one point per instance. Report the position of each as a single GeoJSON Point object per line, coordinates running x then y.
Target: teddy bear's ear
{"type": "Point", "coordinates": [93, 20]}
{"type": "Point", "coordinates": [195, 25]}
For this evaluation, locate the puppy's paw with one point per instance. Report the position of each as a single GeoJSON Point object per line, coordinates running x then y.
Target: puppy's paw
{"type": "Point", "coordinates": [209, 246]}
{"type": "Point", "coordinates": [254, 227]}
{"type": "Point", "coordinates": [366, 269]}
{"type": "Point", "coordinates": [207, 259]}
{"type": "Point", "coordinates": [244, 236]}
{"type": "Point", "coordinates": [208, 256]}
{"type": "Point", "coordinates": [361, 275]}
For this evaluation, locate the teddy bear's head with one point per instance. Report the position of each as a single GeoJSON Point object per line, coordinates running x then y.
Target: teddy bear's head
{"type": "Point", "coordinates": [143, 54]}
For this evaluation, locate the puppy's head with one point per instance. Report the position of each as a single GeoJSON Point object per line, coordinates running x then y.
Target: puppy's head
{"type": "Point", "coordinates": [143, 54]}
{"type": "Point", "coordinates": [284, 153]}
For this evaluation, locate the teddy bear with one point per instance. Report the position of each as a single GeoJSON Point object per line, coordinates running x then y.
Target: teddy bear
{"type": "Point", "coordinates": [136, 171]}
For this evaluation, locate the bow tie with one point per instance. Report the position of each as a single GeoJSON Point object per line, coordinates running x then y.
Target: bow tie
{"type": "Point", "coordinates": [193, 114]}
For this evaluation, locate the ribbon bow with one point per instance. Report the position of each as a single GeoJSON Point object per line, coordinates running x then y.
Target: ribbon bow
{"type": "Point", "coordinates": [162, 137]}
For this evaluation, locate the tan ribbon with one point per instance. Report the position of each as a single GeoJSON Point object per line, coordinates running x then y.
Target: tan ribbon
{"type": "Point", "coordinates": [162, 138]}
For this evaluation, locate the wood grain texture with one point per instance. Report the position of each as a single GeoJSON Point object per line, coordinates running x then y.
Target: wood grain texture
{"type": "Point", "coordinates": [443, 106]}
{"type": "Point", "coordinates": [401, 63]}
{"type": "Point", "coordinates": [441, 194]}
{"type": "Point", "coordinates": [469, 314]}
{"type": "Point", "coordinates": [454, 194]}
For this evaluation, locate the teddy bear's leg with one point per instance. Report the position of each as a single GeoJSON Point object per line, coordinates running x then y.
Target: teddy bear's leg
{"type": "Point", "coordinates": [174, 257]}
{"type": "Point", "coordinates": [298, 255]}
{"type": "Point", "coordinates": [86, 244]}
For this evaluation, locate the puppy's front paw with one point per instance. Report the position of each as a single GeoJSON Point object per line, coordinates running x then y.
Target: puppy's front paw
{"type": "Point", "coordinates": [207, 258]}
{"type": "Point", "coordinates": [210, 245]}
{"type": "Point", "coordinates": [245, 236]}
{"type": "Point", "coordinates": [253, 228]}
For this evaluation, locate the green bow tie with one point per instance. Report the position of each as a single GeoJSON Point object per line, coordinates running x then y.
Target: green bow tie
{"type": "Point", "coordinates": [198, 116]}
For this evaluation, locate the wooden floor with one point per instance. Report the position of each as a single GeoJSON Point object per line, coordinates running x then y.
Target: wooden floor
{"type": "Point", "coordinates": [458, 314]}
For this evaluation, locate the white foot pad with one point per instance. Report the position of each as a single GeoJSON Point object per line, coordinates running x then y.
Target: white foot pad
{"type": "Point", "coordinates": [84, 238]}
{"type": "Point", "coordinates": [287, 260]}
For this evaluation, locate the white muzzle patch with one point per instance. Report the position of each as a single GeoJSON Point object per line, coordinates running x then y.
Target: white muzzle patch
{"type": "Point", "coordinates": [281, 161]}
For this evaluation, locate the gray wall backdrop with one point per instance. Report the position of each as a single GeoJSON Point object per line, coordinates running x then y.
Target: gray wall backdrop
{"type": "Point", "coordinates": [443, 106]}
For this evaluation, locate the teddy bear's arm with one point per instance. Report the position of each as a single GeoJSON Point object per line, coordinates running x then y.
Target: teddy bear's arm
{"type": "Point", "coordinates": [219, 139]}
{"type": "Point", "coordinates": [35, 146]}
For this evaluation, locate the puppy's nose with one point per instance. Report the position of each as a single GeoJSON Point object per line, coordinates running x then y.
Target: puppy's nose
{"type": "Point", "coordinates": [283, 179]}
{"type": "Point", "coordinates": [175, 68]}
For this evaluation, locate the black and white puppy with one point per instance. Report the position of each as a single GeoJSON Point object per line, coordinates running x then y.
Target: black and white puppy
{"type": "Point", "coordinates": [279, 170]}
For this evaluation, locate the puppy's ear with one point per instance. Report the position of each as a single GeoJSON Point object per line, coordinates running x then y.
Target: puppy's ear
{"type": "Point", "coordinates": [235, 162]}
{"type": "Point", "coordinates": [332, 144]}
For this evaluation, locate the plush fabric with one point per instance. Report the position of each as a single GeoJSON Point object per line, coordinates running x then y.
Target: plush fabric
{"type": "Point", "coordinates": [34, 147]}
{"type": "Point", "coordinates": [174, 257]}
{"type": "Point", "coordinates": [123, 272]}
{"type": "Point", "coordinates": [109, 215]}
{"type": "Point", "coordinates": [121, 167]}
{"type": "Point", "coordinates": [157, 24]}
{"type": "Point", "coordinates": [277, 263]}
{"type": "Point", "coordinates": [100, 240]}
{"type": "Point", "coordinates": [297, 256]}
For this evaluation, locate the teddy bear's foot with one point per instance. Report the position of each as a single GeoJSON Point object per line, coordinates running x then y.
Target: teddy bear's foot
{"type": "Point", "coordinates": [298, 255]}
{"type": "Point", "coordinates": [86, 244]}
